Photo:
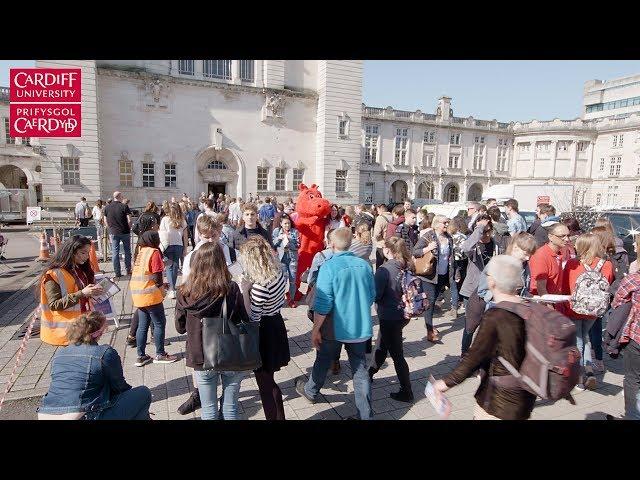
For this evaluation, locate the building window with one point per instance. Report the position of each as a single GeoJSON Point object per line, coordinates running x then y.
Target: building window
{"type": "Point", "coordinates": [602, 164]}
{"type": "Point", "coordinates": [542, 146]}
{"type": "Point", "coordinates": [428, 160]}
{"type": "Point", "coordinates": [186, 67]}
{"type": "Point", "coordinates": [170, 177]}
{"type": "Point", "coordinates": [429, 137]}
{"type": "Point", "coordinates": [501, 164]}
{"type": "Point", "coordinates": [562, 146]}
{"type": "Point", "coordinates": [263, 173]}
{"type": "Point", "coordinates": [148, 174]}
{"type": "Point", "coordinates": [525, 147]}
{"type": "Point", "coordinates": [425, 190]}
{"type": "Point", "coordinates": [402, 139]}
{"type": "Point", "coordinates": [636, 198]}
{"type": "Point", "coordinates": [615, 166]}
{"type": "Point", "coordinates": [598, 198]}
{"type": "Point", "coordinates": [9, 140]}
{"type": "Point", "coordinates": [216, 165]}
{"type": "Point", "coordinates": [582, 146]}
{"type": "Point", "coordinates": [281, 174]}
{"type": "Point", "coordinates": [371, 138]}
{"type": "Point", "coordinates": [247, 70]}
{"type": "Point", "coordinates": [612, 195]}
{"type": "Point", "coordinates": [217, 69]}
{"type": "Point", "coordinates": [478, 153]}
{"type": "Point", "coordinates": [341, 181]}
{"type": "Point", "coordinates": [343, 127]}
{"type": "Point", "coordinates": [70, 170]}
{"type": "Point", "coordinates": [126, 173]}
{"type": "Point", "coordinates": [614, 141]}
{"type": "Point", "coordinates": [298, 177]}
{"type": "Point", "coordinates": [26, 141]}
{"type": "Point", "coordinates": [369, 189]}
{"type": "Point", "coordinates": [454, 139]}
{"type": "Point", "coordinates": [454, 161]}
{"type": "Point", "coordinates": [620, 140]}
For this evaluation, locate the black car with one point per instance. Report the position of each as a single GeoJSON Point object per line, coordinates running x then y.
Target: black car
{"type": "Point", "coordinates": [626, 224]}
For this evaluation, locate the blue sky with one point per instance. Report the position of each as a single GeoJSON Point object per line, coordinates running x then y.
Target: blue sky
{"type": "Point", "coordinates": [507, 90]}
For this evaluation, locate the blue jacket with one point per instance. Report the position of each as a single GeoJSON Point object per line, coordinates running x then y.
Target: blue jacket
{"type": "Point", "coordinates": [346, 289]}
{"type": "Point", "coordinates": [84, 378]}
{"type": "Point", "coordinates": [291, 248]}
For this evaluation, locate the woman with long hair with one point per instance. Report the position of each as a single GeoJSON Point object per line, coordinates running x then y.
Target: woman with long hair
{"type": "Point", "coordinates": [147, 295]}
{"type": "Point", "coordinates": [388, 279]}
{"type": "Point", "coordinates": [440, 243]}
{"type": "Point", "coordinates": [171, 229]}
{"type": "Point", "coordinates": [87, 379]}
{"type": "Point", "coordinates": [263, 287]}
{"type": "Point", "coordinates": [202, 295]}
{"type": "Point", "coordinates": [66, 286]}
{"type": "Point", "coordinates": [589, 254]}
{"type": "Point", "coordinates": [362, 245]}
{"type": "Point", "coordinates": [334, 218]}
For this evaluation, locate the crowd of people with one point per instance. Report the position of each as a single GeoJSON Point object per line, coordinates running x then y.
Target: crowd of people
{"type": "Point", "coordinates": [226, 258]}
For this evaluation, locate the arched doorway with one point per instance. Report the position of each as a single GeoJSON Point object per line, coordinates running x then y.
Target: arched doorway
{"type": "Point", "coordinates": [451, 193]}
{"type": "Point", "coordinates": [475, 193]}
{"type": "Point", "coordinates": [219, 171]}
{"type": "Point", "coordinates": [426, 190]}
{"type": "Point", "coordinates": [13, 177]}
{"type": "Point", "coordinates": [398, 191]}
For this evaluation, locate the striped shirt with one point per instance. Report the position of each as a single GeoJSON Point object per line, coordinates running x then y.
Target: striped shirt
{"type": "Point", "coordinates": [267, 300]}
{"type": "Point", "coordinates": [361, 250]}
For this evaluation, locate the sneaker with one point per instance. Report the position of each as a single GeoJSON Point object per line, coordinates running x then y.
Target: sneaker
{"type": "Point", "coordinates": [402, 396]}
{"type": "Point", "coordinates": [590, 382]}
{"type": "Point", "coordinates": [172, 294]}
{"type": "Point", "coordinates": [131, 341]}
{"type": "Point", "coordinates": [165, 358]}
{"type": "Point", "coordinates": [192, 404]}
{"type": "Point", "coordinates": [143, 360]}
{"type": "Point", "coordinates": [460, 310]}
{"type": "Point", "coordinates": [580, 387]}
{"type": "Point", "coordinates": [300, 383]}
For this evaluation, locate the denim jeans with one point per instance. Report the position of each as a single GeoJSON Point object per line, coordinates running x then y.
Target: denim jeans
{"type": "Point", "coordinates": [631, 357]}
{"type": "Point", "coordinates": [289, 269]}
{"type": "Point", "coordinates": [582, 340]}
{"type": "Point", "coordinates": [173, 253]}
{"type": "Point", "coordinates": [129, 405]}
{"type": "Point", "coordinates": [208, 385]}
{"type": "Point", "coordinates": [358, 361]}
{"type": "Point", "coordinates": [433, 291]}
{"type": "Point", "coordinates": [455, 296]}
{"type": "Point", "coordinates": [115, 252]}
{"type": "Point", "coordinates": [155, 314]}
{"type": "Point", "coordinates": [467, 337]}
{"type": "Point", "coordinates": [99, 235]}
{"type": "Point", "coordinates": [595, 335]}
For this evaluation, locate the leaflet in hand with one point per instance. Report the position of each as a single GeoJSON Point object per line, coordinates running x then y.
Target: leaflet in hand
{"type": "Point", "coordinates": [550, 298]}
{"type": "Point", "coordinates": [109, 289]}
{"type": "Point", "coordinates": [439, 401]}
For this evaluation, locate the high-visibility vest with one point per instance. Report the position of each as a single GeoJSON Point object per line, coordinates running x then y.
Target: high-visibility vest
{"type": "Point", "coordinates": [54, 323]}
{"type": "Point", "coordinates": [144, 291]}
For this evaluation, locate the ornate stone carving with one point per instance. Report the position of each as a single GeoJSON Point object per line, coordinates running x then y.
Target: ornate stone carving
{"type": "Point", "coordinates": [273, 106]}
{"type": "Point", "coordinates": [156, 93]}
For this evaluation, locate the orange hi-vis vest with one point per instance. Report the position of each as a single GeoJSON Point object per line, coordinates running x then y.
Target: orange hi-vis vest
{"type": "Point", "coordinates": [54, 323]}
{"type": "Point", "coordinates": [144, 291]}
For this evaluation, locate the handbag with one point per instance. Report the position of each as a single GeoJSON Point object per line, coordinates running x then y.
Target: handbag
{"type": "Point", "coordinates": [425, 265]}
{"type": "Point", "coordinates": [230, 347]}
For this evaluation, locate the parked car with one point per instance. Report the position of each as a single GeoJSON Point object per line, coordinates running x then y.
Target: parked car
{"type": "Point", "coordinates": [626, 224]}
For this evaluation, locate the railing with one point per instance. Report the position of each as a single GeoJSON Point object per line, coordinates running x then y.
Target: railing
{"type": "Point", "coordinates": [4, 93]}
{"type": "Point", "coordinates": [458, 120]}
{"type": "Point", "coordinates": [419, 116]}
{"type": "Point", "coordinates": [403, 114]}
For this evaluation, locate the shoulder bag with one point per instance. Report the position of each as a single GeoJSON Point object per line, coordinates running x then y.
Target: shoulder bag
{"type": "Point", "coordinates": [230, 347]}
{"type": "Point", "coordinates": [426, 265]}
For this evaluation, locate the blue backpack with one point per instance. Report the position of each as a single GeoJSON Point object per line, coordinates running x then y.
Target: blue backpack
{"type": "Point", "coordinates": [414, 299]}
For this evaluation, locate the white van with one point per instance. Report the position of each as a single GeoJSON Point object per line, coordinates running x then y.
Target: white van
{"type": "Point", "coordinates": [449, 210]}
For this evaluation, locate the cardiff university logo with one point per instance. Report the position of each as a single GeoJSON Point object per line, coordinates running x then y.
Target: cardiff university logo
{"type": "Point", "coordinates": [45, 102]}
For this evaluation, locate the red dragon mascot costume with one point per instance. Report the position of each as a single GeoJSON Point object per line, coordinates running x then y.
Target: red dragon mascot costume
{"type": "Point", "coordinates": [313, 212]}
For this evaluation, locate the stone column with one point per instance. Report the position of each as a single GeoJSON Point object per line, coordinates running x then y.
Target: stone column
{"type": "Point", "coordinates": [259, 73]}
{"type": "Point", "coordinates": [532, 159]}
{"type": "Point", "coordinates": [554, 154]}
{"type": "Point", "coordinates": [235, 72]}
{"type": "Point", "coordinates": [573, 156]}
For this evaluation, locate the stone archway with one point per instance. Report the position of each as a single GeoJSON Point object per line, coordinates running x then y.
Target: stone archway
{"type": "Point", "coordinates": [12, 176]}
{"type": "Point", "coordinates": [426, 190]}
{"type": "Point", "coordinates": [475, 193]}
{"type": "Point", "coordinates": [398, 191]}
{"type": "Point", "coordinates": [451, 193]}
{"type": "Point", "coordinates": [220, 171]}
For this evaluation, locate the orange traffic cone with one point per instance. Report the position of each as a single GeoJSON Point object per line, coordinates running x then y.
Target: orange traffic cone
{"type": "Point", "coordinates": [93, 259]}
{"type": "Point", "coordinates": [44, 248]}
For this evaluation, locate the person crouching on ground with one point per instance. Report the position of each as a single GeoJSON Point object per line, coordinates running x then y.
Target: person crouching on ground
{"type": "Point", "coordinates": [501, 334]}
{"type": "Point", "coordinates": [87, 378]}
{"type": "Point", "coordinates": [202, 294]}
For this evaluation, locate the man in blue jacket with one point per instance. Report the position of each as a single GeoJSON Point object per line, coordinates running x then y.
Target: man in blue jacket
{"type": "Point", "coordinates": [345, 290]}
{"type": "Point", "coordinates": [266, 214]}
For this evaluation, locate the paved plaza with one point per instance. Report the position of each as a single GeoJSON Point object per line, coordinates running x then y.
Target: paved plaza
{"type": "Point", "coordinates": [171, 384]}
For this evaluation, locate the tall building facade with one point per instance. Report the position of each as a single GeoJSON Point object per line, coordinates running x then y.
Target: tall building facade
{"type": "Point", "coordinates": [155, 129]}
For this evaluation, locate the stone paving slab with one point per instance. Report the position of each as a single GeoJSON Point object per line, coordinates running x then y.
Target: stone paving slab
{"type": "Point", "coordinates": [171, 384]}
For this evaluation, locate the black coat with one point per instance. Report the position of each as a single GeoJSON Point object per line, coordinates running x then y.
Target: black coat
{"type": "Point", "coordinates": [189, 313]}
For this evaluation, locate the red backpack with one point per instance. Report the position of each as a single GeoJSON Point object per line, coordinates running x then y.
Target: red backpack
{"type": "Point", "coordinates": [551, 367]}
